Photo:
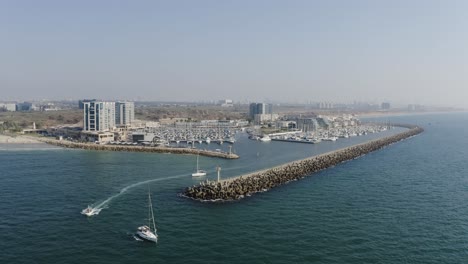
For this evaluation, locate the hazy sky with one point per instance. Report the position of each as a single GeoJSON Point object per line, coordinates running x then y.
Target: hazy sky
{"type": "Point", "coordinates": [296, 51]}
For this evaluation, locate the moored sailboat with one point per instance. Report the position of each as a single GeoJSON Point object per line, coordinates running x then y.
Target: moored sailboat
{"type": "Point", "coordinates": [198, 172]}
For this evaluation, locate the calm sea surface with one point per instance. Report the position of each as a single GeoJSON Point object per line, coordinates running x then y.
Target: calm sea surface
{"type": "Point", "coordinates": [407, 203]}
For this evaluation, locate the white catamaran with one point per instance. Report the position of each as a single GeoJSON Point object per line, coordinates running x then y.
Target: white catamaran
{"type": "Point", "coordinates": [146, 232]}
{"type": "Point", "coordinates": [199, 172]}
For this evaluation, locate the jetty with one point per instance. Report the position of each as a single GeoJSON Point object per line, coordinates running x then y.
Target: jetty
{"type": "Point", "coordinates": [138, 148]}
{"type": "Point", "coordinates": [260, 181]}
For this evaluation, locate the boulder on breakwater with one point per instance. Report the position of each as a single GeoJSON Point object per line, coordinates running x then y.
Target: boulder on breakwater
{"type": "Point", "coordinates": [246, 185]}
{"type": "Point", "coordinates": [131, 148]}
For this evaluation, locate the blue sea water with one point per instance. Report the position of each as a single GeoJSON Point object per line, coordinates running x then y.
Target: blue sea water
{"type": "Point", "coordinates": [406, 203]}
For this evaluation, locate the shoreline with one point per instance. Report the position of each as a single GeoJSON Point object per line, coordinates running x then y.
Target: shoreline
{"type": "Point", "coordinates": [239, 187]}
{"type": "Point", "coordinates": [9, 139]}
{"type": "Point", "coordinates": [21, 139]}
{"type": "Point", "coordinates": [146, 149]}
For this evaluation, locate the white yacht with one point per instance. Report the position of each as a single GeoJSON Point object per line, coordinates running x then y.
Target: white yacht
{"type": "Point", "coordinates": [145, 231]}
{"type": "Point", "coordinates": [198, 172]}
{"type": "Point", "coordinates": [265, 138]}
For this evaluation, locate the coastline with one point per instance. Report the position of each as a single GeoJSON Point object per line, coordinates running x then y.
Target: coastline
{"type": "Point", "coordinates": [147, 149]}
{"type": "Point", "coordinates": [21, 139]}
{"type": "Point", "coordinates": [8, 139]}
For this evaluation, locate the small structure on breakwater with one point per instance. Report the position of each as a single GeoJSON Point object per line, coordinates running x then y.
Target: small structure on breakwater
{"type": "Point", "coordinates": [246, 185]}
{"type": "Point", "coordinates": [132, 148]}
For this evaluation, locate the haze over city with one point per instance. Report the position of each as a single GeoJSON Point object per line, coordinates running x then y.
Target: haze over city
{"type": "Point", "coordinates": [409, 52]}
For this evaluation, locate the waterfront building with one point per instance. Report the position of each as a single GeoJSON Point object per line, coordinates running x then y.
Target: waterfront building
{"type": "Point", "coordinates": [260, 109]}
{"type": "Point", "coordinates": [124, 113]}
{"type": "Point", "coordinates": [286, 124]}
{"type": "Point", "coordinates": [307, 124]}
{"type": "Point", "coordinates": [98, 137]}
{"type": "Point", "coordinates": [98, 116]}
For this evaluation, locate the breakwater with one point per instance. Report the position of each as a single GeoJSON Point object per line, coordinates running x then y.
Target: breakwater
{"type": "Point", "coordinates": [131, 148]}
{"type": "Point", "coordinates": [260, 181]}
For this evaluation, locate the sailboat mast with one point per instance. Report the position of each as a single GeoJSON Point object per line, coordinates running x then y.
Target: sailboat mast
{"type": "Point", "coordinates": [149, 208]}
{"type": "Point", "coordinates": [197, 161]}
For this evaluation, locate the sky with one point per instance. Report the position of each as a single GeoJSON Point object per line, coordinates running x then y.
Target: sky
{"type": "Point", "coordinates": [403, 52]}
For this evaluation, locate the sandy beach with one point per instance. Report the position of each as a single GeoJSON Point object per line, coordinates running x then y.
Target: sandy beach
{"type": "Point", "coordinates": [17, 140]}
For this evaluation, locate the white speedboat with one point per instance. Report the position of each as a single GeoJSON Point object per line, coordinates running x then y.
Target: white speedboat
{"type": "Point", "coordinates": [198, 172]}
{"type": "Point", "coordinates": [265, 138]}
{"type": "Point", "coordinates": [145, 231]}
{"type": "Point", "coordinates": [90, 211]}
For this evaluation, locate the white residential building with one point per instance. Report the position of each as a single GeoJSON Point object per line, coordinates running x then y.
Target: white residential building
{"type": "Point", "coordinates": [124, 113]}
{"type": "Point", "coordinates": [98, 116]}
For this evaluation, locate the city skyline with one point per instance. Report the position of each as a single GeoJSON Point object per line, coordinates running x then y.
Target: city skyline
{"type": "Point", "coordinates": [266, 51]}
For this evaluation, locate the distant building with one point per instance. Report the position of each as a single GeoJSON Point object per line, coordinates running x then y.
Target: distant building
{"type": "Point", "coordinates": [363, 106]}
{"type": "Point", "coordinates": [98, 116]}
{"type": "Point", "coordinates": [124, 113]}
{"type": "Point", "coordinates": [415, 107]}
{"type": "Point", "coordinates": [226, 103]}
{"type": "Point", "coordinates": [385, 106]}
{"type": "Point", "coordinates": [81, 102]}
{"type": "Point", "coordinates": [10, 107]}
{"type": "Point", "coordinates": [325, 105]}
{"type": "Point", "coordinates": [260, 109]}
{"type": "Point", "coordinates": [26, 106]}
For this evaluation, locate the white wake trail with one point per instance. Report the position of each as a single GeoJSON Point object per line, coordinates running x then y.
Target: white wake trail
{"type": "Point", "coordinates": [102, 204]}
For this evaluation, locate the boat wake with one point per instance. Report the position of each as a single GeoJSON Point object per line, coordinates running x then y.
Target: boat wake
{"type": "Point", "coordinates": [103, 205]}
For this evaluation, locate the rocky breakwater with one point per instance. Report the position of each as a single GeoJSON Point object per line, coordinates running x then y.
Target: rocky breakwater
{"type": "Point", "coordinates": [132, 148]}
{"type": "Point", "coordinates": [261, 181]}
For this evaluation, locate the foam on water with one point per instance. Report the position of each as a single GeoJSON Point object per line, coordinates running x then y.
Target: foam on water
{"type": "Point", "coordinates": [103, 205]}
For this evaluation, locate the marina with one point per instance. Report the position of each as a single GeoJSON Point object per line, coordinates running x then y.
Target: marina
{"type": "Point", "coordinates": [332, 134]}
{"type": "Point", "coordinates": [239, 187]}
{"type": "Point", "coordinates": [186, 134]}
